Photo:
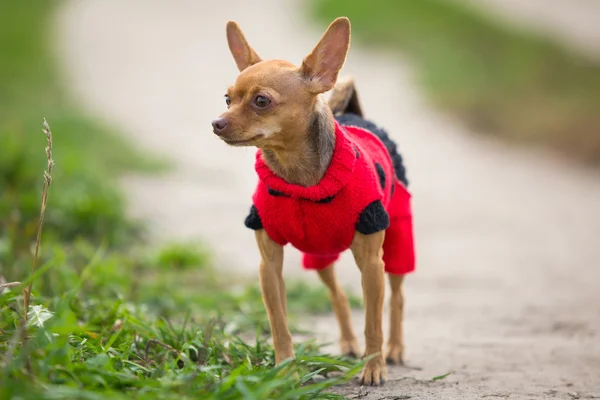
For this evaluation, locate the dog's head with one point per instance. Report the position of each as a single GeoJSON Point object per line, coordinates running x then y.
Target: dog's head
{"type": "Point", "coordinates": [271, 101]}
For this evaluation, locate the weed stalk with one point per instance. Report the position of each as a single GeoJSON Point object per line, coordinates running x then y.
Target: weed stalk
{"type": "Point", "coordinates": [46, 186]}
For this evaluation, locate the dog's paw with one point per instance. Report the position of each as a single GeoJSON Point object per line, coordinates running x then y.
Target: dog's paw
{"type": "Point", "coordinates": [350, 348]}
{"type": "Point", "coordinates": [394, 354]}
{"type": "Point", "coordinates": [374, 373]}
{"type": "Point", "coordinates": [285, 371]}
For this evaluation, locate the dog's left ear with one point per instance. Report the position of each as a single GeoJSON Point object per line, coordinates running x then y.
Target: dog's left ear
{"type": "Point", "coordinates": [242, 53]}
{"type": "Point", "coordinates": [322, 66]}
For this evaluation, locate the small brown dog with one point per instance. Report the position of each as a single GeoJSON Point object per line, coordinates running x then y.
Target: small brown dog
{"type": "Point", "coordinates": [324, 187]}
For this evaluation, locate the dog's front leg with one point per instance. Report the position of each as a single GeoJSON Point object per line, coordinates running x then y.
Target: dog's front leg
{"type": "Point", "coordinates": [273, 294]}
{"type": "Point", "coordinates": [368, 254]}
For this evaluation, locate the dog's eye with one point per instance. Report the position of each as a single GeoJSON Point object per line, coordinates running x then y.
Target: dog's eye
{"type": "Point", "coordinates": [227, 100]}
{"type": "Point", "coordinates": [262, 101]}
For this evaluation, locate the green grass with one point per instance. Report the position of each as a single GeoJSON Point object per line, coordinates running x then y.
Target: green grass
{"type": "Point", "coordinates": [113, 330]}
{"type": "Point", "coordinates": [499, 80]}
{"type": "Point", "coordinates": [111, 316]}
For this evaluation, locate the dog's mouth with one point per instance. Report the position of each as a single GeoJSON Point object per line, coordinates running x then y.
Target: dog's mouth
{"type": "Point", "coordinates": [241, 142]}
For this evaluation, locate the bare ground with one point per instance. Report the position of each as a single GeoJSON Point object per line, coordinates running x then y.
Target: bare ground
{"type": "Point", "coordinates": [506, 296]}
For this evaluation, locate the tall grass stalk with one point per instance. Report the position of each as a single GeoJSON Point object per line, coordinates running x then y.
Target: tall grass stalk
{"type": "Point", "coordinates": [45, 188]}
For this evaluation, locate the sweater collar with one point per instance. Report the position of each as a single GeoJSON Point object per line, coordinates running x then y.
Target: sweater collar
{"type": "Point", "coordinates": [338, 173]}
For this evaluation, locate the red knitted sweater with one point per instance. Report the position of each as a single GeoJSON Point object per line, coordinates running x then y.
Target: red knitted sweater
{"type": "Point", "coordinates": [359, 192]}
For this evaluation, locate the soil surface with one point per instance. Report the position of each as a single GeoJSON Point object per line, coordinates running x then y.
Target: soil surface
{"type": "Point", "coordinates": [507, 290]}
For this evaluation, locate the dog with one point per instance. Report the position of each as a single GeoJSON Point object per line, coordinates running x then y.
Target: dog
{"type": "Point", "coordinates": [329, 180]}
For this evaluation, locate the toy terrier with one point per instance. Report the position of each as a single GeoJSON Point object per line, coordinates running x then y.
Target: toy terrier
{"type": "Point", "coordinates": [329, 180]}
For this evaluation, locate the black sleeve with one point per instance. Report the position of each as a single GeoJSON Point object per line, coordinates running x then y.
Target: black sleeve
{"type": "Point", "coordinates": [373, 219]}
{"type": "Point", "coordinates": [253, 219]}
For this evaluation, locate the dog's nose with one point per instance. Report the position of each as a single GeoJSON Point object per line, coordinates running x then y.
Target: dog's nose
{"type": "Point", "coordinates": [219, 125]}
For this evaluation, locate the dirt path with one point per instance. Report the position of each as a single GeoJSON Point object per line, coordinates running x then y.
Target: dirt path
{"type": "Point", "coordinates": [506, 295]}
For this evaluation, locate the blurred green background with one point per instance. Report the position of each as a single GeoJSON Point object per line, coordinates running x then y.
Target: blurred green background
{"type": "Point", "coordinates": [498, 79]}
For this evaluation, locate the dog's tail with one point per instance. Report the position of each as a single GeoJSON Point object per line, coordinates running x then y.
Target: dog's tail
{"type": "Point", "coordinates": [344, 98]}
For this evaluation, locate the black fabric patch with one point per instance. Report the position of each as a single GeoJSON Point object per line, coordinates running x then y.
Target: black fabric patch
{"type": "Point", "coordinates": [276, 193]}
{"type": "Point", "coordinates": [373, 219]}
{"type": "Point", "coordinates": [356, 120]}
{"type": "Point", "coordinates": [381, 174]}
{"type": "Point", "coordinates": [253, 219]}
{"type": "Point", "coordinates": [325, 200]}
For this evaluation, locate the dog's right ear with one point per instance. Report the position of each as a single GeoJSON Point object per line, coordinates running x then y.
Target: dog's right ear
{"type": "Point", "coordinates": [243, 54]}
